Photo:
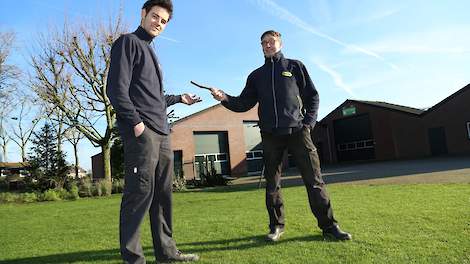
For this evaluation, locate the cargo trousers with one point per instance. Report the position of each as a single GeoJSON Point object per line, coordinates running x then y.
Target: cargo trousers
{"type": "Point", "coordinates": [304, 153]}
{"type": "Point", "coordinates": [148, 163]}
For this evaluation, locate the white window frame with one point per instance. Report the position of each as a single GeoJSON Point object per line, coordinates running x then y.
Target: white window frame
{"type": "Point", "coordinates": [354, 145]}
{"type": "Point", "coordinates": [468, 130]}
{"type": "Point", "coordinates": [253, 155]}
{"type": "Point", "coordinates": [213, 154]}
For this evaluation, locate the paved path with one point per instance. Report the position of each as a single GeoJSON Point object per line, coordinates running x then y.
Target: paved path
{"type": "Point", "coordinates": [431, 170]}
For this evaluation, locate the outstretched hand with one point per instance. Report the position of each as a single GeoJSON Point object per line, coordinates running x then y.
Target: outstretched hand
{"type": "Point", "coordinates": [190, 99]}
{"type": "Point", "coordinates": [218, 94]}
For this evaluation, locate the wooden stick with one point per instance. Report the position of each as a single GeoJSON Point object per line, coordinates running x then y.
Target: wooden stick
{"type": "Point", "coordinates": [201, 86]}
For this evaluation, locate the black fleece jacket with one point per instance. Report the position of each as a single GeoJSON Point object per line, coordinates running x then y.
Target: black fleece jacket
{"type": "Point", "coordinates": [286, 95]}
{"type": "Point", "coordinates": [135, 86]}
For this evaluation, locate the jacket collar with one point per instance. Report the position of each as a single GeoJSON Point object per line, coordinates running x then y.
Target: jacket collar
{"type": "Point", "coordinates": [142, 34]}
{"type": "Point", "coordinates": [278, 56]}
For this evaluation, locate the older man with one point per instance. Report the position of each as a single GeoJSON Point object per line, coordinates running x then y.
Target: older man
{"type": "Point", "coordinates": [288, 106]}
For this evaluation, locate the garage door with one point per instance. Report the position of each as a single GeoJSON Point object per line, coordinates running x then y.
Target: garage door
{"type": "Point", "coordinates": [253, 148]}
{"type": "Point", "coordinates": [354, 139]}
{"type": "Point", "coordinates": [211, 150]}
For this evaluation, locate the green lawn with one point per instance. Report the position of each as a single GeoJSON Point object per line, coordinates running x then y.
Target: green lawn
{"type": "Point", "coordinates": [389, 223]}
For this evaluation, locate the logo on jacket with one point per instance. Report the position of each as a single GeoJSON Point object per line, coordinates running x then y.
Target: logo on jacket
{"type": "Point", "coordinates": [286, 74]}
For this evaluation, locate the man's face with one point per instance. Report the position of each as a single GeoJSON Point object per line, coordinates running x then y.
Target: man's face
{"type": "Point", "coordinates": [154, 22]}
{"type": "Point", "coordinates": [271, 45]}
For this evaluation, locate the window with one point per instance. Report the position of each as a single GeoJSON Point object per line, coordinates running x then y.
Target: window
{"type": "Point", "coordinates": [222, 157]}
{"type": "Point", "coordinates": [355, 145]}
{"type": "Point", "coordinates": [254, 155]}
{"type": "Point", "coordinates": [258, 154]}
{"type": "Point", "coordinates": [468, 130]}
{"type": "Point", "coordinates": [369, 143]}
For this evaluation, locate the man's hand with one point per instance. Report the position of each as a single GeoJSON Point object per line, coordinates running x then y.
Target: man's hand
{"type": "Point", "coordinates": [218, 94]}
{"type": "Point", "coordinates": [139, 129]}
{"type": "Point", "coordinates": [190, 99]}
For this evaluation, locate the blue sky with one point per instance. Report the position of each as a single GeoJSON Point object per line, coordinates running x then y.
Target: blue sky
{"type": "Point", "coordinates": [413, 53]}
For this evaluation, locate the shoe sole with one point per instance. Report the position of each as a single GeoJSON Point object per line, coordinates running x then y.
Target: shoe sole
{"type": "Point", "coordinates": [275, 240]}
{"type": "Point", "coordinates": [333, 238]}
{"type": "Point", "coordinates": [178, 260]}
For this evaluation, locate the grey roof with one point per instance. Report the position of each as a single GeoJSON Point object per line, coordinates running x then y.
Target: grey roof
{"type": "Point", "coordinates": [400, 108]}
{"type": "Point", "coordinates": [448, 99]}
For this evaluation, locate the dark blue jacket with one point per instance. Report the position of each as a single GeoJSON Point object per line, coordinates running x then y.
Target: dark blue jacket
{"type": "Point", "coordinates": [286, 95]}
{"type": "Point", "coordinates": [135, 86]}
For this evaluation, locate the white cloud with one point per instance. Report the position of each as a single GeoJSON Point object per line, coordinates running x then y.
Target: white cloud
{"type": "Point", "coordinates": [337, 78]}
{"type": "Point", "coordinates": [381, 15]}
{"type": "Point", "coordinates": [169, 39]}
{"type": "Point", "coordinates": [284, 14]}
{"type": "Point", "coordinates": [455, 40]}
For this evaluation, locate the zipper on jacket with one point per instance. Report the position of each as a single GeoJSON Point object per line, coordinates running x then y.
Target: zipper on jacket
{"type": "Point", "coordinates": [274, 94]}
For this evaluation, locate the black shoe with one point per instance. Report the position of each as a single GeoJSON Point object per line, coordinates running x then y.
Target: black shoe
{"type": "Point", "coordinates": [179, 257]}
{"type": "Point", "coordinates": [275, 235]}
{"type": "Point", "coordinates": [335, 233]}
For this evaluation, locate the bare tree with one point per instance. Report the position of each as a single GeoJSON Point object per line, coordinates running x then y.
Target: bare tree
{"type": "Point", "coordinates": [71, 73]}
{"type": "Point", "coordinates": [58, 120]}
{"type": "Point", "coordinates": [26, 120]}
{"type": "Point", "coordinates": [4, 138]}
{"type": "Point", "coordinates": [73, 136]}
{"type": "Point", "coordinates": [8, 73]}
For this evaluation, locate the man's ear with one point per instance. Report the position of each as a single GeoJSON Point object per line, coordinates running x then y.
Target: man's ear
{"type": "Point", "coordinates": [143, 13]}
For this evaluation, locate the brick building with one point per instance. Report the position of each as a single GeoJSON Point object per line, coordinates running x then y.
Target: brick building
{"type": "Point", "coordinates": [231, 141]}
{"type": "Point", "coordinates": [354, 131]}
{"type": "Point", "coordinates": [364, 130]}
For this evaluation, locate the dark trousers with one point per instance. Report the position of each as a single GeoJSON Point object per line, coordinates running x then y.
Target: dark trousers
{"type": "Point", "coordinates": [148, 181]}
{"type": "Point", "coordinates": [301, 147]}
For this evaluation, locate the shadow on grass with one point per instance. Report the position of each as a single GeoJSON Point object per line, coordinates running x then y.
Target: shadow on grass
{"type": "Point", "coordinates": [242, 243]}
{"type": "Point", "coordinates": [192, 247]}
{"type": "Point", "coordinates": [84, 256]}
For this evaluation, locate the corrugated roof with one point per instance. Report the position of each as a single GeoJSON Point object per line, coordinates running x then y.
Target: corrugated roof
{"type": "Point", "coordinates": [401, 108]}
{"type": "Point", "coordinates": [448, 99]}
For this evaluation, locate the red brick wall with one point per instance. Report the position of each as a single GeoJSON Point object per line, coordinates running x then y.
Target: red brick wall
{"type": "Point", "coordinates": [453, 115]}
{"type": "Point", "coordinates": [399, 135]}
{"type": "Point", "coordinates": [216, 118]}
{"type": "Point", "coordinates": [396, 134]}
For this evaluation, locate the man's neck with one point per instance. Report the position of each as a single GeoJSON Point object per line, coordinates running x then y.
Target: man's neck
{"type": "Point", "coordinates": [275, 57]}
{"type": "Point", "coordinates": [143, 34]}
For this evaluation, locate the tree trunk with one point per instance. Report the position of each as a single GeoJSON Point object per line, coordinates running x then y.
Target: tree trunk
{"type": "Point", "coordinates": [59, 133]}
{"type": "Point", "coordinates": [23, 153]}
{"type": "Point", "coordinates": [106, 149]}
{"type": "Point", "coordinates": [75, 153]}
{"type": "Point", "coordinates": [4, 150]}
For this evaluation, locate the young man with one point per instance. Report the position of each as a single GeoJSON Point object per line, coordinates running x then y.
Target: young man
{"type": "Point", "coordinates": [288, 106]}
{"type": "Point", "coordinates": [135, 89]}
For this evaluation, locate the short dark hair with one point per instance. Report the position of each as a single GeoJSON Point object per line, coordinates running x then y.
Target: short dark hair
{"type": "Point", "coordinates": [272, 33]}
{"type": "Point", "coordinates": [167, 4]}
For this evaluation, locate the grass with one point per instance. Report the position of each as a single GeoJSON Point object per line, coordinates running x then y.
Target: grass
{"type": "Point", "coordinates": [427, 223]}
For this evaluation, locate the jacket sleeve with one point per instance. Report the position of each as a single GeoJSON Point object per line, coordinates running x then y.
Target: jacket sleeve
{"type": "Point", "coordinates": [245, 101]}
{"type": "Point", "coordinates": [310, 97]}
{"type": "Point", "coordinates": [119, 80]}
{"type": "Point", "coordinates": [172, 99]}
